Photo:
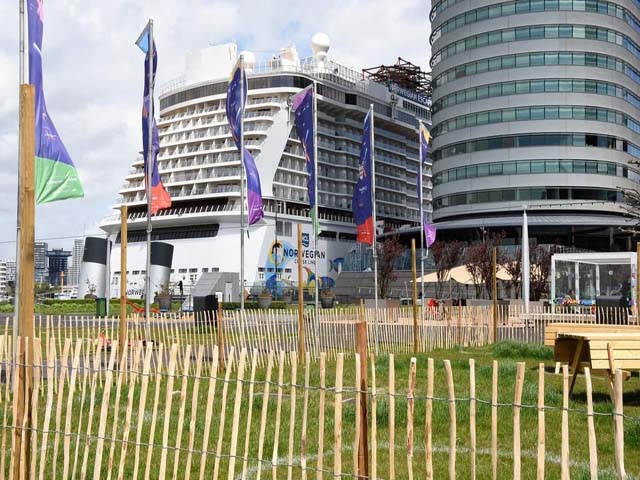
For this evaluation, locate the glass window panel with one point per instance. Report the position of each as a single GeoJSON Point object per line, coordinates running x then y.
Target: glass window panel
{"type": "Point", "coordinates": [565, 86]}
{"type": "Point", "coordinates": [565, 112]}
{"type": "Point", "coordinates": [508, 195]}
{"type": "Point", "coordinates": [536, 32]}
{"type": "Point", "coordinates": [495, 169]}
{"type": "Point", "coordinates": [522, 60]}
{"type": "Point", "coordinates": [522, 113]}
{"type": "Point", "coordinates": [566, 166]}
{"type": "Point", "coordinates": [495, 195]}
{"type": "Point", "coordinates": [523, 167]}
{"type": "Point", "coordinates": [551, 85]}
{"type": "Point", "coordinates": [470, 95]}
{"type": "Point", "coordinates": [482, 91]}
{"type": "Point", "coordinates": [495, 64]}
{"type": "Point", "coordinates": [578, 166]}
{"type": "Point", "coordinates": [495, 37]}
{"type": "Point", "coordinates": [472, 171]}
{"type": "Point", "coordinates": [509, 115]}
{"type": "Point", "coordinates": [483, 197]}
{"type": "Point", "coordinates": [537, 166]}
{"type": "Point", "coordinates": [508, 88]}
{"type": "Point", "coordinates": [522, 86]}
{"type": "Point", "coordinates": [565, 58]}
{"type": "Point", "coordinates": [602, 168]}
{"type": "Point", "coordinates": [591, 167]}
{"type": "Point", "coordinates": [550, 113]}
{"type": "Point", "coordinates": [495, 90]}
{"type": "Point", "coordinates": [482, 118]}
{"type": "Point", "coordinates": [483, 170]}
{"type": "Point", "coordinates": [537, 113]}
{"type": "Point", "coordinates": [552, 166]}
{"type": "Point", "coordinates": [509, 168]}
{"type": "Point", "coordinates": [536, 86]}
{"type": "Point", "coordinates": [522, 33]}
{"type": "Point", "coordinates": [509, 61]}
{"type": "Point", "coordinates": [551, 58]}
{"type": "Point", "coordinates": [551, 31]}
{"type": "Point", "coordinates": [508, 35]}
{"type": "Point", "coordinates": [536, 59]}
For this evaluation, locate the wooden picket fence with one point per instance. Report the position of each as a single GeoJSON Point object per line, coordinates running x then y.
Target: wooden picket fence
{"type": "Point", "coordinates": [389, 330]}
{"type": "Point", "coordinates": [168, 413]}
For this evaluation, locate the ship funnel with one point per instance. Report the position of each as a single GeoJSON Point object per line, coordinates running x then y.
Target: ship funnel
{"type": "Point", "coordinates": [94, 267]}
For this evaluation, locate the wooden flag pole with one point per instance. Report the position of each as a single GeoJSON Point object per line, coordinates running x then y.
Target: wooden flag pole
{"type": "Point", "coordinates": [363, 444]}
{"type": "Point", "coordinates": [123, 279]}
{"type": "Point", "coordinates": [26, 274]}
{"type": "Point", "coordinates": [415, 295]}
{"type": "Point", "coordinates": [495, 293]}
{"type": "Point", "coordinates": [300, 299]}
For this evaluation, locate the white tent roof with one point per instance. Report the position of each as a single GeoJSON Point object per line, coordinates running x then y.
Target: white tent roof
{"type": "Point", "coordinates": [598, 258]}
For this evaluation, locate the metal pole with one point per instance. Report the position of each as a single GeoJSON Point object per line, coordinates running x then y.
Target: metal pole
{"type": "Point", "coordinates": [242, 226]}
{"type": "Point", "coordinates": [375, 243]}
{"type": "Point", "coordinates": [526, 268]}
{"type": "Point", "coordinates": [494, 284]}
{"type": "Point", "coordinates": [316, 226]}
{"type": "Point", "coordinates": [422, 256]}
{"type": "Point", "coordinates": [151, 116]}
{"type": "Point", "coordinates": [637, 282]}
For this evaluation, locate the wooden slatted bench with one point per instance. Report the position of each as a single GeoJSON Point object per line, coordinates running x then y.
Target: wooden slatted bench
{"type": "Point", "coordinates": [603, 348]}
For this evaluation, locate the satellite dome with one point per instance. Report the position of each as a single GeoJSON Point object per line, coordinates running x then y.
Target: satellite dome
{"type": "Point", "coordinates": [320, 44]}
{"type": "Point", "coordinates": [249, 59]}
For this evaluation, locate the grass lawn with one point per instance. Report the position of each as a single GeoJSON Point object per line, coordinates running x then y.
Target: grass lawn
{"type": "Point", "coordinates": [507, 353]}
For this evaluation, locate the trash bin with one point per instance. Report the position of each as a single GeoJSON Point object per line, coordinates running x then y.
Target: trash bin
{"type": "Point", "coordinates": [101, 307]}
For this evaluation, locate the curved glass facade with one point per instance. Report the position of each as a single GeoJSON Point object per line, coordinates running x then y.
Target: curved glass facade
{"type": "Point", "coordinates": [534, 99]}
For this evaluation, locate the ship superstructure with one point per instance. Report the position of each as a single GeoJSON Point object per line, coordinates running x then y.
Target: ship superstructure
{"type": "Point", "coordinates": [200, 167]}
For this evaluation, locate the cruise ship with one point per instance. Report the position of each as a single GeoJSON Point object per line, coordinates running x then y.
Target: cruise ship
{"type": "Point", "coordinates": [200, 167]}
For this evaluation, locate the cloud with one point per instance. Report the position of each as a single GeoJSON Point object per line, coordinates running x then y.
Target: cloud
{"type": "Point", "coordinates": [93, 75]}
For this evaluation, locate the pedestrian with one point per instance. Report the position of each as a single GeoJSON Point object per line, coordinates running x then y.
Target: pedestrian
{"type": "Point", "coordinates": [215, 306]}
{"type": "Point", "coordinates": [181, 287]}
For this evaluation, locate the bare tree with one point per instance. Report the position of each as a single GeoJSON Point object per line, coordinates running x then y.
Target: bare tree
{"type": "Point", "coordinates": [478, 260]}
{"type": "Point", "coordinates": [446, 255]}
{"type": "Point", "coordinates": [540, 261]}
{"type": "Point", "coordinates": [632, 205]}
{"type": "Point", "coordinates": [388, 253]}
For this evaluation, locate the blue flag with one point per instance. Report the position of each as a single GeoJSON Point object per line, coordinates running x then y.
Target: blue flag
{"type": "Point", "coordinates": [56, 175]}
{"type": "Point", "coordinates": [236, 102]}
{"type": "Point", "coordinates": [362, 194]}
{"type": "Point", "coordinates": [303, 106]}
{"type": "Point", "coordinates": [160, 198]}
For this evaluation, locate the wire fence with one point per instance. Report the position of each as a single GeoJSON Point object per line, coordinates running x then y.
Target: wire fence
{"type": "Point", "coordinates": [164, 411]}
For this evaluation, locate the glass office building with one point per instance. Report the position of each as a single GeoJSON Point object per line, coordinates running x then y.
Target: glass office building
{"type": "Point", "coordinates": [536, 103]}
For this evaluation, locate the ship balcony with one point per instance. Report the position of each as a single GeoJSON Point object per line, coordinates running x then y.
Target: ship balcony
{"type": "Point", "coordinates": [224, 147]}
{"type": "Point", "coordinates": [196, 112]}
{"type": "Point", "coordinates": [184, 193]}
{"type": "Point", "coordinates": [217, 125]}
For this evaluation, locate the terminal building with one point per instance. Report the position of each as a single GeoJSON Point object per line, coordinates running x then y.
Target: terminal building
{"type": "Point", "coordinates": [536, 104]}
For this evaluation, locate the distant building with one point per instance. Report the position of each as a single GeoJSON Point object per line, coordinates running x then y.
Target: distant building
{"type": "Point", "coordinates": [76, 262]}
{"type": "Point", "coordinates": [40, 262]}
{"type": "Point", "coordinates": [3, 280]}
{"type": "Point", "coordinates": [58, 259]}
{"type": "Point", "coordinates": [11, 270]}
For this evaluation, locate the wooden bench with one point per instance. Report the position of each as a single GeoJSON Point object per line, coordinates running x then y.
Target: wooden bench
{"type": "Point", "coordinates": [603, 348]}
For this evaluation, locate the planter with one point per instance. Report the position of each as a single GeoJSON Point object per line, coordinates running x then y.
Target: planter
{"type": "Point", "coordinates": [326, 299]}
{"type": "Point", "coordinates": [90, 296]}
{"type": "Point", "coordinates": [164, 302]}
{"type": "Point", "coordinates": [264, 302]}
{"type": "Point", "coordinates": [287, 298]}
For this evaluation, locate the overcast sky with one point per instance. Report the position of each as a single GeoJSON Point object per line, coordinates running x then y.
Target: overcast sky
{"type": "Point", "coordinates": [93, 76]}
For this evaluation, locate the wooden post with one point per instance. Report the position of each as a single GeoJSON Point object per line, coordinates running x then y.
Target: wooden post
{"type": "Point", "coordinates": [26, 274]}
{"type": "Point", "coordinates": [220, 337]}
{"type": "Point", "coordinates": [415, 296]}
{"type": "Point", "coordinates": [363, 446]}
{"type": "Point", "coordinates": [495, 293]}
{"type": "Point", "coordinates": [300, 299]}
{"type": "Point", "coordinates": [123, 280]}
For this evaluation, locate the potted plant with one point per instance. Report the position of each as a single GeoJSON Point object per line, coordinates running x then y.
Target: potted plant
{"type": "Point", "coordinates": [92, 290]}
{"type": "Point", "coordinates": [287, 295]}
{"type": "Point", "coordinates": [264, 299]}
{"type": "Point", "coordinates": [327, 298]}
{"type": "Point", "coordinates": [163, 297]}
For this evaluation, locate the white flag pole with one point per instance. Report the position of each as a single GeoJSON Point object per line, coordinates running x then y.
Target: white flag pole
{"type": "Point", "coordinates": [526, 270]}
{"type": "Point", "coordinates": [149, 163]}
{"type": "Point", "coordinates": [375, 227]}
{"type": "Point", "coordinates": [316, 224]}
{"type": "Point", "coordinates": [242, 174]}
{"type": "Point", "coordinates": [422, 256]}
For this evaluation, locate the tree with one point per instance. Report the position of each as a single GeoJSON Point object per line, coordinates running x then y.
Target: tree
{"type": "Point", "coordinates": [478, 260]}
{"type": "Point", "coordinates": [446, 255]}
{"type": "Point", "coordinates": [513, 266]}
{"type": "Point", "coordinates": [631, 205]}
{"type": "Point", "coordinates": [388, 253]}
{"type": "Point", "coordinates": [540, 262]}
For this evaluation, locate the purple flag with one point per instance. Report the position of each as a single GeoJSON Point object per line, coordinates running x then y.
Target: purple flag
{"type": "Point", "coordinates": [424, 156]}
{"type": "Point", "coordinates": [56, 176]}
{"type": "Point", "coordinates": [429, 232]}
{"type": "Point", "coordinates": [236, 101]}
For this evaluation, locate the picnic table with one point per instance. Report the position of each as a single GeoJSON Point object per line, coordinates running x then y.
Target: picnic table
{"type": "Point", "coordinates": [602, 348]}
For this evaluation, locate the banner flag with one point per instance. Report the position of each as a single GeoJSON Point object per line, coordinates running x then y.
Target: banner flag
{"type": "Point", "coordinates": [429, 232]}
{"type": "Point", "coordinates": [425, 137]}
{"type": "Point", "coordinates": [160, 198]}
{"type": "Point", "coordinates": [303, 107]}
{"type": "Point", "coordinates": [362, 194]}
{"type": "Point", "coordinates": [235, 109]}
{"type": "Point", "coordinates": [56, 175]}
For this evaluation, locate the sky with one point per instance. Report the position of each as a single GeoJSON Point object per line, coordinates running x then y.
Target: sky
{"type": "Point", "coordinates": [93, 76]}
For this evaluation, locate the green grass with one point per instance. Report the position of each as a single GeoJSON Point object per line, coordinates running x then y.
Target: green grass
{"type": "Point", "coordinates": [507, 354]}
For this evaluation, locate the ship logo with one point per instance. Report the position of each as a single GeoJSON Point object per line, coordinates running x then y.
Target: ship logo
{"type": "Point", "coordinates": [305, 240]}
